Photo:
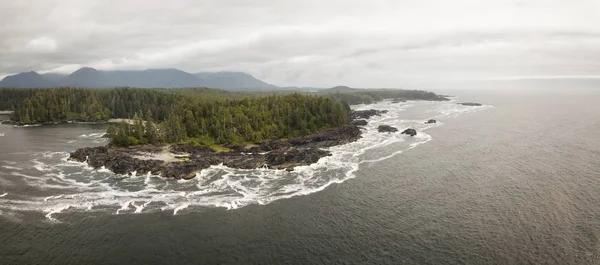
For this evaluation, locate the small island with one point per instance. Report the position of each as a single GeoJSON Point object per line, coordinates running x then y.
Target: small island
{"type": "Point", "coordinates": [178, 132]}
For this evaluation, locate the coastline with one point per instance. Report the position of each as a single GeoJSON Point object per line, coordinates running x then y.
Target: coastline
{"type": "Point", "coordinates": [184, 161]}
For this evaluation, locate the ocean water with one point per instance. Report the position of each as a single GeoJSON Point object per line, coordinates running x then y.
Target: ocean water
{"type": "Point", "coordinates": [516, 181]}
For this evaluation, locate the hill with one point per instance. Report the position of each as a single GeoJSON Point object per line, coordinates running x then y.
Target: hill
{"type": "Point", "coordinates": [87, 77]}
{"type": "Point", "coordinates": [26, 80]}
{"type": "Point", "coordinates": [234, 81]}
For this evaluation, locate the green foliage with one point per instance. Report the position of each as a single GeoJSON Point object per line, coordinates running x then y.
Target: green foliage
{"type": "Point", "coordinates": [366, 96]}
{"type": "Point", "coordinates": [198, 115]}
{"type": "Point", "coordinates": [77, 104]}
{"type": "Point", "coordinates": [213, 122]}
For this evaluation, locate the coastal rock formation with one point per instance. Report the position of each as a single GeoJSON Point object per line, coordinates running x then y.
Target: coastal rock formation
{"type": "Point", "coordinates": [409, 131]}
{"type": "Point", "coordinates": [472, 104]}
{"type": "Point", "coordinates": [359, 122]}
{"type": "Point", "coordinates": [430, 121]}
{"type": "Point", "coordinates": [183, 161]}
{"type": "Point", "coordinates": [387, 128]}
{"type": "Point", "coordinates": [365, 114]}
{"type": "Point", "coordinates": [338, 136]}
{"type": "Point", "coordinates": [284, 159]}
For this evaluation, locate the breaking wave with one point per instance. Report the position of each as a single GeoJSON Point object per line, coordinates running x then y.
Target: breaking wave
{"type": "Point", "coordinates": [67, 186]}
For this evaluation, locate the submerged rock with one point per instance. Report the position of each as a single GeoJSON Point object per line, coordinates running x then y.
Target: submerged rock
{"type": "Point", "coordinates": [409, 131]}
{"type": "Point", "coordinates": [430, 121]}
{"type": "Point", "coordinates": [387, 128]}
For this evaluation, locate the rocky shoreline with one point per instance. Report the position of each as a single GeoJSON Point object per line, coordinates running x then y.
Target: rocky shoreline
{"type": "Point", "coordinates": [184, 161]}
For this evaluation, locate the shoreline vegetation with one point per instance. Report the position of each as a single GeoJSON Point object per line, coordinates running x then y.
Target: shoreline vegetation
{"type": "Point", "coordinates": [178, 132]}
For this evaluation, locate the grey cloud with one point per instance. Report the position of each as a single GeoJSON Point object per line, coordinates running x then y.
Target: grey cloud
{"type": "Point", "coordinates": [305, 43]}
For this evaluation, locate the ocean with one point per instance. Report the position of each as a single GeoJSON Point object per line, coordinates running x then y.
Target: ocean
{"type": "Point", "coordinates": [515, 181]}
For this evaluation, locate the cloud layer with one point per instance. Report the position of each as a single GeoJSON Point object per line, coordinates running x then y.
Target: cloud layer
{"type": "Point", "coordinates": [373, 43]}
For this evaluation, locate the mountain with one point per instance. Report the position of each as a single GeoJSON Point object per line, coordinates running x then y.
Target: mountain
{"type": "Point", "coordinates": [234, 81]}
{"type": "Point", "coordinates": [151, 78]}
{"type": "Point", "coordinates": [154, 78]}
{"type": "Point", "coordinates": [26, 80]}
{"type": "Point", "coordinates": [86, 77]}
{"type": "Point", "coordinates": [54, 77]}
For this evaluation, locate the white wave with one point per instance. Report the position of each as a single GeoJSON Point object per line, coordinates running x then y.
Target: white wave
{"type": "Point", "coordinates": [6, 193]}
{"type": "Point", "coordinates": [180, 207]}
{"type": "Point", "coordinates": [124, 206]}
{"type": "Point", "coordinates": [92, 135]}
{"type": "Point", "coordinates": [24, 176]}
{"type": "Point", "coordinates": [86, 189]}
{"type": "Point", "coordinates": [54, 210]}
{"type": "Point", "coordinates": [103, 169]}
{"type": "Point", "coordinates": [13, 168]}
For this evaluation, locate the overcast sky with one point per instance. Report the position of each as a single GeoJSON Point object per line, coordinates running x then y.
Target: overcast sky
{"type": "Point", "coordinates": [373, 43]}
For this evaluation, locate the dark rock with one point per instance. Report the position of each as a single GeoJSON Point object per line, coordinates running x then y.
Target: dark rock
{"type": "Point", "coordinates": [276, 154]}
{"type": "Point", "coordinates": [387, 128]}
{"type": "Point", "coordinates": [185, 170]}
{"type": "Point", "coordinates": [409, 131]}
{"type": "Point", "coordinates": [82, 154]}
{"type": "Point", "coordinates": [236, 147]}
{"type": "Point", "coordinates": [359, 122]}
{"type": "Point", "coordinates": [285, 159]}
{"type": "Point", "coordinates": [191, 149]}
{"type": "Point", "coordinates": [273, 145]}
{"type": "Point", "coordinates": [470, 104]}
{"type": "Point", "coordinates": [365, 114]}
{"type": "Point", "coordinates": [238, 160]}
{"type": "Point", "coordinates": [116, 160]}
{"type": "Point", "coordinates": [430, 121]}
{"type": "Point", "coordinates": [337, 136]}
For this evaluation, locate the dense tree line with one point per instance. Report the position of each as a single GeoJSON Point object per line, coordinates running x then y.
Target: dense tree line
{"type": "Point", "coordinates": [77, 104]}
{"type": "Point", "coordinates": [367, 96]}
{"type": "Point", "coordinates": [209, 122]}
{"type": "Point", "coordinates": [202, 116]}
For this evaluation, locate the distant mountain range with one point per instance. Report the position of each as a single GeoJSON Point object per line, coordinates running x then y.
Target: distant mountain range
{"type": "Point", "coordinates": [152, 78]}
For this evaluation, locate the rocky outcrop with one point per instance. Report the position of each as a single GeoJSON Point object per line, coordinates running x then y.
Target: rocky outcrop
{"type": "Point", "coordinates": [365, 114]}
{"type": "Point", "coordinates": [472, 104]}
{"type": "Point", "coordinates": [191, 149]}
{"type": "Point", "coordinates": [359, 122]}
{"type": "Point", "coordinates": [338, 136]}
{"type": "Point", "coordinates": [387, 128]}
{"type": "Point", "coordinates": [283, 159]}
{"type": "Point", "coordinates": [409, 131]}
{"type": "Point", "coordinates": [119, 161]}
{"type": "Point", "coordinates": [430, 121]}
{"type": "Point", "coordinates": [189, 160]}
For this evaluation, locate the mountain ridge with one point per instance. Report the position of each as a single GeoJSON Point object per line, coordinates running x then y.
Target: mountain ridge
{"type": "Point", "coordinates": [87, 77]}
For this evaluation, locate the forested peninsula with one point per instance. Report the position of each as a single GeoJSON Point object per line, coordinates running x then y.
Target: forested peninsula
{"type": "Point", "coordinates": [177, 132]}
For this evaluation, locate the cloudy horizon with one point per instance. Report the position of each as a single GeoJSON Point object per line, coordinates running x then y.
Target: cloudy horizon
{"type": "Point", "coordinates": [308, 43]}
